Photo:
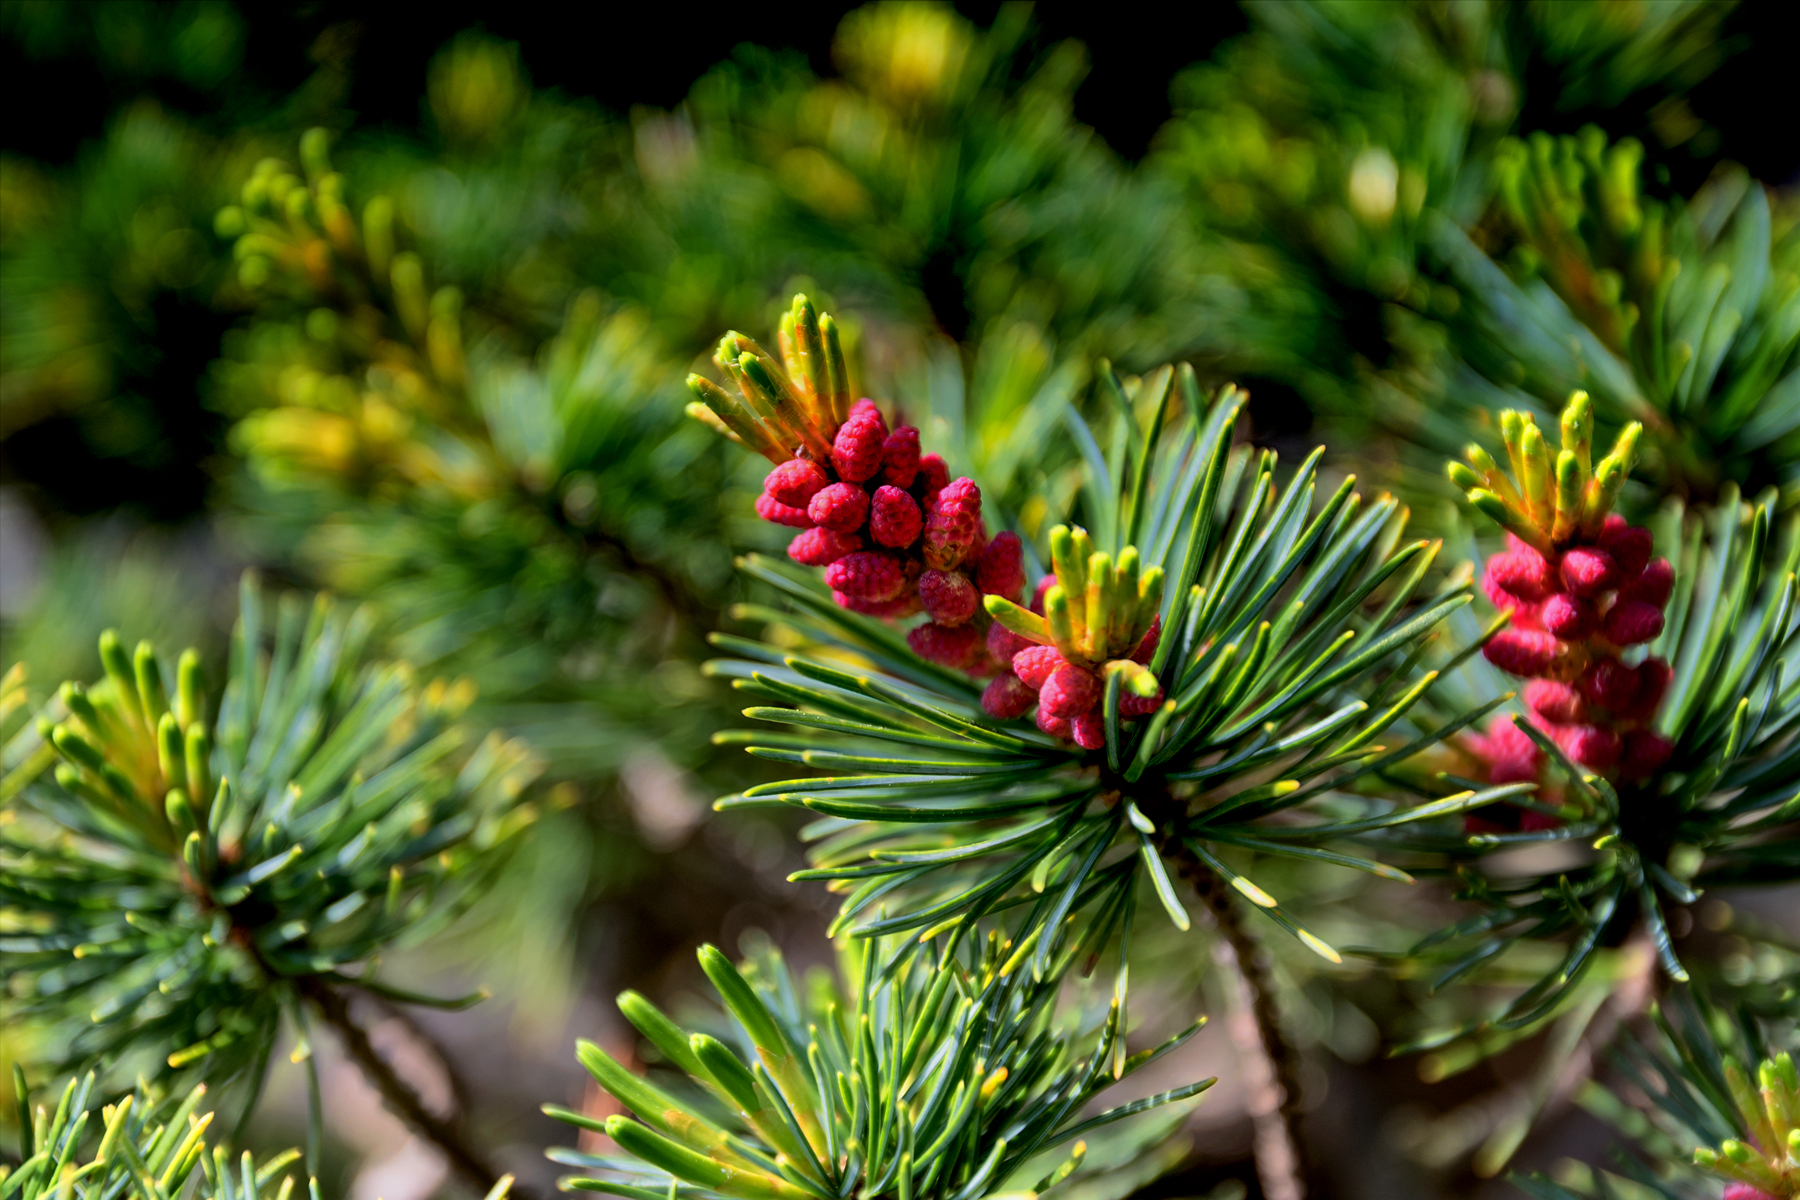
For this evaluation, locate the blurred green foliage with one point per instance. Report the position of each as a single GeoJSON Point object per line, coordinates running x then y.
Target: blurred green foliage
{"type": "Point", "coordinates": [435, 363]}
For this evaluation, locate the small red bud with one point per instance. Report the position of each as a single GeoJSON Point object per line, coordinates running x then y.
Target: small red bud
{"type": "Point", "coordinates": [1006, 699]}
{"type": "Point", "coordinates": [906, 604]}
{"type": "Point", "coordinates": [1588, 571]}
{"type": "Point", "coordinates": [1527, 614]}
{"type": "Point", "coordinates": [1522, 651]}
{"type": "Point", "coordinates": [934, 474]}
{"type": "Point", "coordinates": [842, 507]}
{"type": "Point", "coordinates": [1037, 593]}
{"type": "Point", "coordinates": [866, 575]}
{"type": "Point", "coordinates": [1089, 731]}
{"type": "Point", "coordinates": [1568, 617]}
{"type": "Point", "coordinates": [1629, 622]}
{"type": "Point", "coordinates": [1653, 585]}
{"type": "Point", "coordinates": [949, 597]}
{"type": "Point", "coordinates": [1035, 663]}
{"type": "Point", "coordinates": [771, 509]}
{"type": "Point", "coordinates": [1629, 545]}
{"type": "Point", "coordinates": [1653, 676]}
{"type": "Point", "coordinates": [1131, 705]}
{"type": "Point", "coordinates": [900, 457]}
{"type": "Point", "coordinates": [1146, 647]}
{"type": "Point", "coordinates": [822, 547]}
{"type": "Point", "coordinates": [1070, 691]}
{"type": "Point", "coordinates": [795, 482]}
{"type": "Point", "coordinates": [856, 451]}
{"type": "Point", "coordinates": [1521, 573]}
{"type": "Point", "coordinates": [1511, 755]}
{"type": "Point", "coordinates": [1001, 569]}
{"type": "Point", "coordinates": [952, 525]}
{"type": "Point", "coordinates": [1558, 703]}
{"type": "Point", "coordinates": [947, 645]}
{"type": "Point", "coordinates": [1591, 746]}
{"type": "Point", "coordinates": [1610, 684]}
{"type": "Point", "coordinates": [1003, 643]}
{"type": "Point", "coordinates": [1054, 726]}
{"type": "Point", "coordinates": [894, 517]}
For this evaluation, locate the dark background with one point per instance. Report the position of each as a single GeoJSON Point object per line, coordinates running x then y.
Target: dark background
{"type": "Point", "coordinates": [61, 96]}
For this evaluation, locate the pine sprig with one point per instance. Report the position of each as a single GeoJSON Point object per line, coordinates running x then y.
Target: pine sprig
{"type": "Point", "coordinates": [1719, 806]}
{"type": "Point", "coordinates": [930, 1068]}
{"type": "Point", "coordinates": [186, 876]}
{"type": "Point", "coordinates": [1683, 316]}
{"type": "Point", "coordinates": [1691, 1112]}
{"type": "Point", "coordinates": [1279, 615]}
{"type": "Point", "coordinates": [148, 1145]}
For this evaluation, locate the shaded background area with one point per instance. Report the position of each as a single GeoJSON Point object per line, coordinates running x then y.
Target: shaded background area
{"type": "Point", "coordinates": [123, 496]}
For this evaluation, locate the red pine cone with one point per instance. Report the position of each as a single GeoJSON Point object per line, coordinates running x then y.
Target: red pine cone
{"type": "Point", "coordinates": [771, 509]}
{"type": "Point", "coordinates": [1035, 663]}
{"type": "Point", "coordinates": [795, 482]}
{"type": "Point", "coordinates": [1069, 692]}
{"type": "Point", "coordinates": [1568, 617]}
{"type": "Point", "coordinates": [1526, 613]}
{"type": "Point", "coordinates": [1037, 593]}
{"type": "Point", "coordinates": [866, 575]}
{"type": "Point", "coordinates": [1610, 684]}
{"type": "Point", "coordinates": [1054, 726]}
{"type": "Point", "coordinates": [1139, 706]}
{"type": "Point", "coordinates": [1743, 1191]}
{"type": "Point", "coordinates": [900, 456]}
{"type": "Point", "coordinates": [1511, 755]}
{"type": "Point", "coordinates": [1588, 571]}
{"type": "Point", "coordinates": [947, 645]}
{"type": "Point", "coordinates": [1089, 731]}
{"type": "Point", "coordinates": [894, 517]}
{"type": "Point", "coordinates": [1006, 698]}
{"type": "Point", "coordinates": [1001, 569]}
{"type": "Point", "coordinates": [1629, 622]}
{"type": "Point", "coordinates": [1629, 545]}
{"type": "Point", "coordinates": [933, 473]}
{"type": "Point", "coordinates": [856, 451]}
{"type": "Point", "coordinates": [1558, 703]}
{"type": "Point", "coordinates": [842, 507]}
{"type": "Point", "coordinates": [906, 604]}
{"type": "Point", "coordinates": [1653, 676]}
{"type": "Point", "coordinates": [1146, 647]}
{"type": "Point", "coordinates": [822, 547]}
{"type": "Point", "coordinates": [1522, 573]}
{"type": "Point", "coordinates": [1003, 643]}
{"type": "Point", "coordinates": [1589, 745]}
{"type": "Point", "coordinates": [952, 525]}
{"type": "Point", "coordinates": [949, 597]}
{"type": "Point", "coordinates": [1653, 586]}
{"type": "Point", "coordinates": [1522, 651]}
{"type": "Point", "coordinates": [862, 407]}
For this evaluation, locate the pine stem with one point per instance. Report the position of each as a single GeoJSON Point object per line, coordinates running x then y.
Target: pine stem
{"type": "Point", "coordinates": [406, 1103]}
{"type": "Point", "coordinates": [1270, 1060]}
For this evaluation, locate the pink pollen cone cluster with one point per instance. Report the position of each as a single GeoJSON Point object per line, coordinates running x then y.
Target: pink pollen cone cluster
{"type": "Point", "coordinates": [1088, 620]}
{"type": "Point", "coordinates": [1573, 613]}
{"type": "Point", "coordinates": [894, 533]}
{"type": "Point", "coordinates": [1584, 591]}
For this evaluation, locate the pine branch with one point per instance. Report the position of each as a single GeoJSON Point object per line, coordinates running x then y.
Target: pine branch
{"type": "Point", "coordinates": [401, 1097]}
{"type": "Point", "coordinates": [1271, 1061]}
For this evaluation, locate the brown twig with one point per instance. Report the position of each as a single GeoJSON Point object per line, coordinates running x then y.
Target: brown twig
{"type": "Point", "coordinates": [1270, 1060]}
{"type": "Point", "coordinates": [334, 1008]}
{"type": "Point", "coordinates": [459, 1086]}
